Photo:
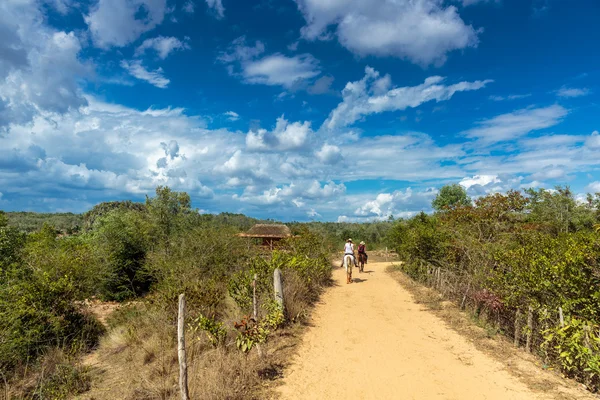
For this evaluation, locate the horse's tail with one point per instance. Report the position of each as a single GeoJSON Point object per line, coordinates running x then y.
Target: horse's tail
{"type": "Point", "coordinates": [347, 261]}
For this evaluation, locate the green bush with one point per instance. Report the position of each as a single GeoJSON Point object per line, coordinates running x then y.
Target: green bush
{"type": "Point", "coordinates": [512, 251]}
{"type": "Point", "coordinates": [120, 242]}
{"type": "Point", "coordinates": [38, 313]}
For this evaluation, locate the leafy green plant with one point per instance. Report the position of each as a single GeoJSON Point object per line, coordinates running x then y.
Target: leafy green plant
{"type": "Point", "coordinates": [576, 349]}
{"type": "Point", "coordinates": [250, 333]}
{"type": "Point", "coordinates": [214, 330]}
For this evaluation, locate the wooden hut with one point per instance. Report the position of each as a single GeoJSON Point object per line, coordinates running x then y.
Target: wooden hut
{"type": "Point", "coordinates": [268, 234]}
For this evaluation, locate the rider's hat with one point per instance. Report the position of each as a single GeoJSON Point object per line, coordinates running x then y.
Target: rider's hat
{"type": "Point", "coordinates": [349, 240]}
{"type": "Point", "coordinates": [362, 242]}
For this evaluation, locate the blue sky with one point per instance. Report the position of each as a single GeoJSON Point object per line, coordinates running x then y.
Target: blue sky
{"type": "Point", "coordinates": [344, 110]}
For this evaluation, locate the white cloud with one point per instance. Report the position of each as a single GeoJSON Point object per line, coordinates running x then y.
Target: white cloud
{"type": "Point", "coordinates": [137, 70]}
{"type": "Point", "coordinates": [295, 193]}
{"type": "Point", "coordinates": [371, 95]}
{"type": "Point", "coordinates": [482, 180]}
{"type": "Point", "coordinates": [232, 115]}
{"type": "Point", "coordinates": [329, 154]}
{"type": "Point", "coordinates": [162, 45]}
{"type": "Point", "coordinates": [510, 97]}
{"type": "Point", "coordinates": [277, 69]}
{"type": "Point", "coordinates": [107, 150]}
{"type": "Point", "coordinates": [550, 172]}
{"type": "Point", "coordinates": [39, 66]}
{"type": "Point", "coordinates": [422, 31]}
{"type": "Point", "coordinates": [217, 6]}
{"type": "Point", "coordinates": [274, 70]}
{"type": "Point", "coordinates": [398, 203]}
{"type": "Point", "coordinates": [118, 22]}
{"type": "Point", "coordinates": [285, 137]}
{"type": "Point", "coordinates": [516, 124]}
{"type": "Point", "coordinates": [593, 187]}
{"type": "Point", "coordinates": [572, 92]}
{"type": "Point", "coordinates": [593, 141]}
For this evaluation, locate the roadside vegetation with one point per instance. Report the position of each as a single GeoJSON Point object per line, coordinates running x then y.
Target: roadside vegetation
{"type": "Point", "coordinates": [143, 255]}
{"type": "Point", "coordinates": [511, 256]}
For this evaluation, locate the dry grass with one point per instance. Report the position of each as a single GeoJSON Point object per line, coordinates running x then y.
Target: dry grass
{"type": "Point", "coordinates": [56, 375]}
{"type": "Point", "coordinates": [137, 359]}
{"type": "Point", "coordinates": [528, 368]}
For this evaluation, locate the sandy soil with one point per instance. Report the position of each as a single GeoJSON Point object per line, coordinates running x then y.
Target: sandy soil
{"type": "Point", "coordinates": [370, 340]}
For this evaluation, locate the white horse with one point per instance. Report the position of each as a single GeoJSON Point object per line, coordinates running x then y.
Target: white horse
{"type": "Point", "coordinates": [348, 264]}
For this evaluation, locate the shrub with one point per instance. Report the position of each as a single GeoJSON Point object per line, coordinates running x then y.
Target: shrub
{"type": "Point", "coordinates": [41, 312]}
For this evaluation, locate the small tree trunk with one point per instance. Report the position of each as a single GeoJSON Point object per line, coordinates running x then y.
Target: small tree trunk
{"type": "Point", "coordinates": [517, 327]}
{"type": "Point", "coordinates": [529, 330]}
{"type": "Point", "coordinates": [560, 316]}
{"type": "Point", "coordinates": [183, 383]}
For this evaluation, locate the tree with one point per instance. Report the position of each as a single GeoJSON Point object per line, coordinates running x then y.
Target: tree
{"type": "Point", "coordinates": [450, 196]}
{"type": "Point", "coordinates": [167, 210]}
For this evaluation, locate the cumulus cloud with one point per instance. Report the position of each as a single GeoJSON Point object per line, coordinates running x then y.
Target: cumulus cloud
{"type": "Point", "coordinates": [572, 92]}
{"type": "Point", "coordinates": [295, 193]}
{"type": "Point", "coordinates": [516, 124]}
{"type": "Point", "coordinates": [274, 69]}
{"type": "Point", "coordinates": [421, 31]}
{"type": "Point", "coordinates": [171, 149]}
{"type": "Point", "coordinates": [593, 142]}
{"type": "Point", "coordinates": [373, 94]}
{"type": "Point", "coordinates": [593, 187]}
{"type": "Point", "coordinates": [39, 66]}
{"type": "Point", "coordinates": [137, 70]}
{"type": "Point", "coordinates": [285, 137]}
{"type": "Point", "coordinates": [120, 22]}
{"type": "Point", "coordinates": [162, 45]}
{"type": "Point", "coordinates": [481, 180]}
{"type": "Point", "coordinates": [217, 6]}
{"type": "Point", "coordinates": [400, 203]}
{"type": "Point", "coordinates": [329, 154]}
{"type": "Point", "coordinates": [107, 150]}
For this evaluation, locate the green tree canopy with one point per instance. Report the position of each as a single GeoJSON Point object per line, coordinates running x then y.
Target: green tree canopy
{"type": "Point", "coordinates": [451, 196]}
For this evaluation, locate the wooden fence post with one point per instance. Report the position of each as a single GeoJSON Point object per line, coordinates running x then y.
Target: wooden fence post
{"type": "Point", "coordinates": [254, 303]}
{"type": "Point", "coordinates": [464, 300]}
{"type": "Point", "coordinates": [529, 329]}
{"type": "Point", "coordinates": [278, 287]}
{"type": "Point", "coordinates": [517, 327]}
{"type": "Point", "coordinates": [183, 382]}
{"type": "Point", "coordinates": [560, 317]}
{"type": "Point", "coordinates": [255, 310]}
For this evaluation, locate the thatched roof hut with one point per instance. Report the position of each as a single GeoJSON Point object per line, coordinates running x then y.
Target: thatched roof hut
{"type": "Point", "coordinates": [271, 231]}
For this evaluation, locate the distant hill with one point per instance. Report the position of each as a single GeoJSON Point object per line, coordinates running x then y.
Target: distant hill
{"type": "Point", "coordinates": [32, 221]}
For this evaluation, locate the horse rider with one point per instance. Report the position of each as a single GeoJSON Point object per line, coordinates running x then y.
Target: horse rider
{"type": "Point", "coordinates": [349, 250]}
{"type": "Point", "coordinates": [362, 250]}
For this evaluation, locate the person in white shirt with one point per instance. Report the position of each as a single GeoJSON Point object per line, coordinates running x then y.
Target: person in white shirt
{"type": "Point", "coordinates": [349, 249]}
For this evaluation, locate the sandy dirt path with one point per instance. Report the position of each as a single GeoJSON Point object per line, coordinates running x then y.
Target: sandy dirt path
{"type": "Point", "coordinates": [370, 340]}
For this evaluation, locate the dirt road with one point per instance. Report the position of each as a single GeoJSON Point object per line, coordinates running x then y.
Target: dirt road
{"type": "Point", "coordinates": [370, 340]}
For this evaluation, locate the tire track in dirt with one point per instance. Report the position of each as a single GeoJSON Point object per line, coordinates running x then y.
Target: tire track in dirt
{"type": "Point", "coordinates": [370, 340]}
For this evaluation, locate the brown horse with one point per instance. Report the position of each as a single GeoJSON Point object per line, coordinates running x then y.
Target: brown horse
{"type": "Point", "coordinates": [362, 259]}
